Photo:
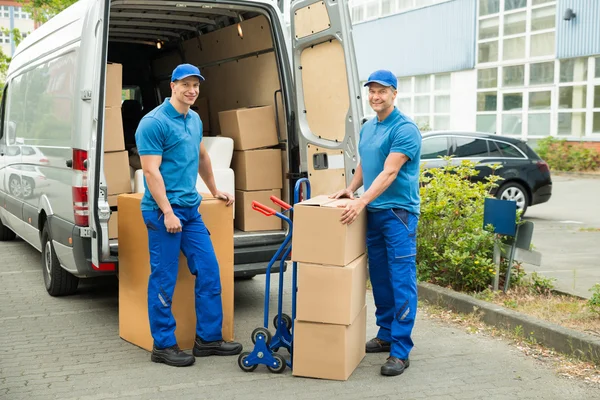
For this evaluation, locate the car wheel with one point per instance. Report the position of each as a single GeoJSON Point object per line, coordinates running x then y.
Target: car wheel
{"type": "Point", "coordinates": [58, 282]}
{"type": "Point", "coordinates": [14, 186]}
{"type": "Point", "coordinates": [514, 192]}
{"type": "Point", "coordinates": [27, 186]}
{"type": "Point", "coordinates": [5, 233]}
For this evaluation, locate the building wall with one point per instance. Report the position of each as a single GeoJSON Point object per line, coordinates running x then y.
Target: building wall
{"type": "Point", "coordinates": [438, 38]}
{"type": "Point", "coordinates": [579, 36]}
{"type": "Point", "coordinates": [12, 16]}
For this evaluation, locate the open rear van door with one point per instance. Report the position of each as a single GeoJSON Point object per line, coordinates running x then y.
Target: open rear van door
{"type": "Point", "coordinates": [99, 210]}
{"type": "Point", "coordinates": [329, 107]}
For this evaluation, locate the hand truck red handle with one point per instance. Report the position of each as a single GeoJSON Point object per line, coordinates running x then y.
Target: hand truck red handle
{"type": "Point", "coordinates": [280, 203]}
{"type": "Point", "coordinates": [263, 209]}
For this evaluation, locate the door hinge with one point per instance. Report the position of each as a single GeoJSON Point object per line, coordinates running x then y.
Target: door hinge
{"type": "Point", "coordinates": [296, 175]}
{"type": "Point", "coordinates": [86, 94]}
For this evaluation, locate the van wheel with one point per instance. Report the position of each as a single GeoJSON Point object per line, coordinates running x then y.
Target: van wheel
{"type": "Point", "coordinates": [5, 233]}
{"type": "Point", "coordinates": [58, 282]}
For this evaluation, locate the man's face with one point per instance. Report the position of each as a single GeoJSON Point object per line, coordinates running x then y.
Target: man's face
{"type": "Point", "coordinates": [381, 97]}
{"type": "Point", "coordinates": [186, 90]}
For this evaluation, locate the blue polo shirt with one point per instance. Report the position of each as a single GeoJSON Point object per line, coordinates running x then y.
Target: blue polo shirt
{"type": "Point", "coordinates": [175, 137]}
{"type": "Point", "coordinates": [396, 134]}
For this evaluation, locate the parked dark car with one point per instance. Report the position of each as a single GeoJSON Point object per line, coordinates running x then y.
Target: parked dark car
{"type": "Point", "coordinates": [526, 176]}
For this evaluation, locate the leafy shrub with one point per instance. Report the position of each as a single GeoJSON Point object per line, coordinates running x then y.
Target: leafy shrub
{"type": "Point", "coordinates": [453, 248]}
{"type": "Point", "coordinates": [563, 156]}
{"type": "Point", "coordinates": [594, 301]}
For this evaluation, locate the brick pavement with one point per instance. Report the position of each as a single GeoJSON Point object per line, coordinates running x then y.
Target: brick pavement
{"type": "Point", "coordinates": [69, 348]}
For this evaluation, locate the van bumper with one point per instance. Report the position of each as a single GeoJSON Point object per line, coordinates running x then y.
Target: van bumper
{"type": "Point", "coordinates": [82, 255]}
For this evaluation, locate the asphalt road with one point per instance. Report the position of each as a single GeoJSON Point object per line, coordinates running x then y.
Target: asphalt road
{"type": "Point", "coordinates": [567, 233]}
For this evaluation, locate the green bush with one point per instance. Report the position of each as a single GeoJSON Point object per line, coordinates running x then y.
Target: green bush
{"type": "Point", "coordinates": [563, 156]}
{"type": "Point", "coordinates": [594, 301]}
{"type": "Point", "coordinates": [453, 248]}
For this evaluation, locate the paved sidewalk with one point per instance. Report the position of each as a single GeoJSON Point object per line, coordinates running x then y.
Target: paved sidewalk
{"type": "Point", "coordinates": [69, 348]}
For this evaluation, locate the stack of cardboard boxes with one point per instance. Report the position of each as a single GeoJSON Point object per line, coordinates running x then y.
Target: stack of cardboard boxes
{"type": "Point", "coordinates": [257, 165]}
{"type": "Point", "coordinates": [330, 326]}
{"type": "Point", "coordinates": [116, 159]}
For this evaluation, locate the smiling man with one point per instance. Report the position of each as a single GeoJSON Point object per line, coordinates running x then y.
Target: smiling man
{"type": "Point", "coordinates": [390, 152]}
{"type": "Point", "coordinates": [169, 141]}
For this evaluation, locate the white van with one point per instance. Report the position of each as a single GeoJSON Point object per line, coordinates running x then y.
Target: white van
{"type": "Point", "coordinates": [54, 105]}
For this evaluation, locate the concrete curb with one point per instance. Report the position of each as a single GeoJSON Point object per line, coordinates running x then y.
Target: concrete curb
{"type": "Point", "coordinates": [563, 340]}
{"type": "Point", "coordinates": [575, 174]}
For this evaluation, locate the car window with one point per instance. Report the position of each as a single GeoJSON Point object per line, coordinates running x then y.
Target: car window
{"type": "Point", "coordinates": [27, 151]}
{"type": "Point", "coordinates": [470, 147]}
{"type": "Point", "coordinates": [432, 148]}
{"type": "Point", "coordinates": [508, 150]}
{"type": "Point", "coordinates": [494, 149]}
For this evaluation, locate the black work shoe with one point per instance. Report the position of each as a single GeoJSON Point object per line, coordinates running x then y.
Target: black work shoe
{"type": "Point", "coordinates": [172, 356]}
{"type": "Point", "coordinates": [394, 366]}
{"type": "Point", "coordinates": [377, 345]}
{"type": "Point", "coordinates": [216, 348]}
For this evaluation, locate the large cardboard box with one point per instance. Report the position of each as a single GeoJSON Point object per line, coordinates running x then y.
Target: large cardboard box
{"type": "Point", "coordinates": [201, 106]}
{"type": "Point", "coordinates": [257, 169]}
{"type": "Point", "coordinates": [114, 139]}
{"type": "Point", "coordinates": [113, 222]}
{"type": "Point", "coordinates": [116, 171]}
{"type": "Point", "coordinates": [329, 351]}
{"type": "Point", "coordinates": [250, 128]}
{"type": "Point", "coordinates": [249, 220]}
{"type": "Point", "coordinates": [319, 236]}
{"type": "Point", "coordinates": [331, 294]}
{"type": "Point", "coordinates": [134, 270]}
{"type": "Point", "coordinates": [114, 85]}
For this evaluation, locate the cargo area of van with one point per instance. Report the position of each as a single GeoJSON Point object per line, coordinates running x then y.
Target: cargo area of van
{"type": "Point", "coordinates": [240, 104]}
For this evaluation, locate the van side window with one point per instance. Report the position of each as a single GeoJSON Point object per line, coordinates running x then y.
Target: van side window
{"type": "Point", "coordinates": [470, 147]}
{"type": "Point", "coordinates": [435, 147]}
{"type": "Point", "coordinates": [508, 150]}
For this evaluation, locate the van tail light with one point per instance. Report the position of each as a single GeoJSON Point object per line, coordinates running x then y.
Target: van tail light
{"type": "Point", "coordinates": [543, 166]}
{"type": "Point", "coordinates": [81, 209]}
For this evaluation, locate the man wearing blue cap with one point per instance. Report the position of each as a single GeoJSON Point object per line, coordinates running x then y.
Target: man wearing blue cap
{"type": "Point", "coordinates": [390, 152]}
{"type": "Point", "coordinates": [169, 141]}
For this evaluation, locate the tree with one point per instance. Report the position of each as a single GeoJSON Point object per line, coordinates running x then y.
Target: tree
{"type": "Point", "coordinates": [42, 10]}
{"type": "Point", "coordinates": [4, 59]}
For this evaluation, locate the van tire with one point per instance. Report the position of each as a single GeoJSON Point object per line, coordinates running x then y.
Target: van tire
{"type": "Point", "coordinates": [57, 280]}
{"type": "Point", "coordinates": [5, 233]}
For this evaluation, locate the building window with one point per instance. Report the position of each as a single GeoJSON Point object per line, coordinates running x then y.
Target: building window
{"type": "Point", "coordinates": [516, 86]}
{"type": "Point", "coordinates": [366, 10]}
{"type": "Point", "coordinates": [20, 13]}
{"type": "Point", "coordinates": [5, 11]}
{"type": "Point", "coordinates": [4, 37]}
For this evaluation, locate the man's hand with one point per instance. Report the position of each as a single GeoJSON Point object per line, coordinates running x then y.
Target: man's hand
{"type": "Point", "coordinates": [172, 223]}
{"type": "Point", "coordinates": [344, 193]}
{"type": "Point", "coordinates": [224, 196]}
{"type": "Point", "coordinates": [352, 210]}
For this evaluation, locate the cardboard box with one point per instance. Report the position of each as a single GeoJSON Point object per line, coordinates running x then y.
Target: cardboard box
{"type": "Point", "coordinates": [329, 351]}
{"type": "Point", "coordinates": [203, 111]}
{"type": "Point", "coordinates": [116, 171]}
{"type": "Point", "coordinates": [113, 225]}
{"type": "Point", "coordinates": [134, 270]}
{"type": "Point", "coordinates": [250, 128]}
{"type": "Point", "coordinates": [331, 294]}
{"type": "Point", "coordinates": [319, 236]}
{"type": "Point", "coordinates": [249, 220]}
{"type": "Point", "coordinates": [114, 138]}
{"type": "Point", "coordinates": [114, 85]}
{"type": "Point", "coordinates": [112, 200]}
{"type": "Point", "coordinates": [257, 169]}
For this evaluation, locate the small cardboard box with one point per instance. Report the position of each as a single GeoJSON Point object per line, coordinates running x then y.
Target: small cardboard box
{"type": "Point", "coordinates": [249, 220]}
{"type": "Point", "coordinates": [331, 294]}
{"type": "Point", "coordinates": [114, 85]}
{"type": "Point", "coordinates": [257, 169]}
{"type": "Point", "coordinates": [319, 236]}
{"type": "Point", "coordinates": [116, 171]}
{"type": "Point", "coordinates": [250, 128]}
{"type": "Point", "coordinates": [134, 271]}
{"type": "Point", "coordinates": [201, 106]}
{"type": "Point", "coordinates": [114, 139]}
{"type": "Point", "coordinates": [113, 225]}
{"type": "Point", "coordinates": [329, 351]}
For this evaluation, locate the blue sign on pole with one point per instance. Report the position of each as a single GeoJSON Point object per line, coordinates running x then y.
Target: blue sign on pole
{"type": "Point", "coordinates": [502, 214]}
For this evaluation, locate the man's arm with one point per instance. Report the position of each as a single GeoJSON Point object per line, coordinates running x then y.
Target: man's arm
{"type": "Point", "coordinates": [393, 164]}
{"type": "Point", "coordinates": [205, 170]}
{"type": "Point", "coordinates": [156, 184]}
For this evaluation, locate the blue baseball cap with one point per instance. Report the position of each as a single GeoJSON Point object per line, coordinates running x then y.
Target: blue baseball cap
{"type": "Point", "coordinates": [384, 78]}
{"type": "Point", "coordinates": [184, 70]}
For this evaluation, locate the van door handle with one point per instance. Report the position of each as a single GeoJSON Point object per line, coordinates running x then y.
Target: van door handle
{"type": "Point", "coordinates": [69, 163]}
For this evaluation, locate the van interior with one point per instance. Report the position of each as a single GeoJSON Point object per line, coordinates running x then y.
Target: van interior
{"type": "Point", "coordinates": [232, 46]}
